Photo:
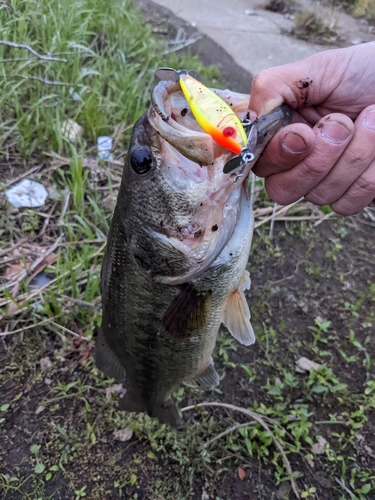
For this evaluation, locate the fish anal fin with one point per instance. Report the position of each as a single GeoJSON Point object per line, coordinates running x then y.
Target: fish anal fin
{"type": "Point", "coordinates": [187, 313]}
{"type": "Point", "coordinates": [207, 379]}
{"type": "Point", "coordinates": [107, 361]}
{"type": "Point", "coordinates": [237, 318]}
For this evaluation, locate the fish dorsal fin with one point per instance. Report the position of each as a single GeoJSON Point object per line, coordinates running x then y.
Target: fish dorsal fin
{"type": "Point", "coordinates": [237, 313]}
{"type": "Point", "coordinates": [187, 313]}
{"type": "Point", "coordinates": [107, 361]}
{"type": "Point", "coordinates": [207, 379]}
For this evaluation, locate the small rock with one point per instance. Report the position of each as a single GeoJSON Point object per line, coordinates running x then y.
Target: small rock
{"type": "Point", "coordinates": [356, 41]}
{"type": "Point", "coordinates": [48, 381]}
{"type": "Point", "coordinates": [283, 491]}
{"type": "Point", "coordinates": [319, 447]}
{"type": "Point", "coordinates": [205, 495]}
{"type": "Point", "coordinates": [71, 130]}
{"type": "Point", "coordinates": [45, 364]}
{"type": "Point", "coordinates": [123, 434]}
{"type": "Point", "coordinates": [323, 480]}
{"type": "Point", "coordinates": [306, 365]}
{"type": "Point", "coordinates": [39, 410]}
{"type": "Point", "coordinates": [250, 12]}
{"type": "Point", "coordinates": [115, 389]}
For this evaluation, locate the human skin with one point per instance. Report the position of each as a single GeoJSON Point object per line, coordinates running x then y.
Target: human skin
{"type": "Point", "coordinates": [327, 154]}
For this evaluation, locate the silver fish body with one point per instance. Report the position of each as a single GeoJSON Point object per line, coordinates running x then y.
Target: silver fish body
{"type": "Point", "coordinates": [175, 263]}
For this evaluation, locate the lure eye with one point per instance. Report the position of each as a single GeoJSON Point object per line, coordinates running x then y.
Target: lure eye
{"type": "Point", "coordinates": [141, 160]}
{"type": "Point", "coordinates": [228, 131]}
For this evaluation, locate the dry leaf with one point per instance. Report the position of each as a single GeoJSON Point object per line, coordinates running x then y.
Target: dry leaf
{"type": "Point", "coordinates": [241, 473]}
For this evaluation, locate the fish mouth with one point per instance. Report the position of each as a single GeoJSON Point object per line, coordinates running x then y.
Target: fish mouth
{"type": "Point", "coordinates": [191, 166]}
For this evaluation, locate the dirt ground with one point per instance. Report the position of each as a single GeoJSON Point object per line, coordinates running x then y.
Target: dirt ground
{"type": "Point", "coordinates": [312, 295]}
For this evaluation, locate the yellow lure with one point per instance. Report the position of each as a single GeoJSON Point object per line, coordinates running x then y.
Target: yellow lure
{"type": "Point", "coordinates": [214, 115]}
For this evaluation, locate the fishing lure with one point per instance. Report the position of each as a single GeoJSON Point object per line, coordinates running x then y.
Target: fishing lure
{"type": "Point", "coordinates": [215, 117]}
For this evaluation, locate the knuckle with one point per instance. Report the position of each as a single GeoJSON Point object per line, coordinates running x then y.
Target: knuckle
{"type": "Point", "coordinates": [364, 186]}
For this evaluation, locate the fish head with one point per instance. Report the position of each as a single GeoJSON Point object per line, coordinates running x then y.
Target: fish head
{"type": "Point", "coordinates": [178, 207]}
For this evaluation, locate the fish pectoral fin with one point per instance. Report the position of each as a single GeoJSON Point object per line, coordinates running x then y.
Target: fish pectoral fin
{"type": "Point", "coordinates": [107, 361]}
{"type": "Point", "coordinates": [207, 379]}
{"type": "Point", "coordinates": [187, 313]}
{"type": "Point", "coordinates": [237, 318]}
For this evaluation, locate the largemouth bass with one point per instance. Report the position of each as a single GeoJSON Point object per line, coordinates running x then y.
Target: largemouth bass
{"type": "Point", "coordinates": [175, 263]}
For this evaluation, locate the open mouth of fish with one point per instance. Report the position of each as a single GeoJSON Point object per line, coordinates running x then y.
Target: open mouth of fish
{"type": "Point", "coordinates": [208, 201]}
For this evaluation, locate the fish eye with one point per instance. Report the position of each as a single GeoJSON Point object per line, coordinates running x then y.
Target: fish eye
{"type": "Point", "coordinates": [228, 131]}
{"type": "Point", "coordinates": [141, 160]}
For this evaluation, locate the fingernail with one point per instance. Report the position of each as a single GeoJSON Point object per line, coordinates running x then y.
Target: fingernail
{"type": "Point", "coordinates": [294, 143]}
{"type": "Point", "coordinates": [334, 131]}
{"type": "Point", "coordinates": [369, 120]}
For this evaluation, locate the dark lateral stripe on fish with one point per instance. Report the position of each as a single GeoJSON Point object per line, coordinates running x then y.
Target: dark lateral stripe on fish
{"type": "Point", "coordinates": [187, 313]}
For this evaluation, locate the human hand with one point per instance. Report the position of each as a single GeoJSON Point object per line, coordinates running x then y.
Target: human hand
{"type": "Point", "coordinates": [322, 155]}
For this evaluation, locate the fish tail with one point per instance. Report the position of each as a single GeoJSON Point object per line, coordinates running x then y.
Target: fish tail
{"type": "Point", "coordinates": [166, 411]}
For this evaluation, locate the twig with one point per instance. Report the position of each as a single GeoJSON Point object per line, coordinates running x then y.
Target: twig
{"type": "Point", "coordinates": [19, 330]}
{"type": "Point", "coordinates": [64, 208]}
{"type": "Point", "coordinates": [28, 296]}
{"type": "Point", "coordinates": [22, 176]}
{"type": "Point", "coordinates": [43, 80]}
{"type": "Point", "coordinates": [13, 247]}
{"type": "Point", "coordinates": [64, 329]}
{"type": "Point", "coordinates": [79, 302]}
{"type": "Point", "coordinates": [260, 420]}
{"type": "Point", "coordinates": [34, 52]}
{"type": "Point", "coordinates": [228, 431]}
{"type": "Point", "coordinates": [273, 220]}
{"type": "Point", "coordinates": [327, 216]}
{"type": "Point", "coordinates": [281, 211]}
{"type": "Point", "coordinates": [47, 219]}
{"type": "Point", "coordinates": [343, 486]}
{"type": "Point", "coordinates": [34, 265]}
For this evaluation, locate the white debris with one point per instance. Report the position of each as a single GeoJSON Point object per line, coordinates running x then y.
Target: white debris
{"type": "Point", "coordinates": [45, 364]}
{"type": "Point", "coordinates": [123, 434]}
{"type": "Point", "coordinates": [27, 193]}
{"type": "Point", "coordinates": [115, 389]}
{"type": "Point", "coordinates": [75, 95]}
{"type": "Point", "coordinates": [39, 410]}
{"type": "Point", "coordinates": [319, 447]}
{"type": "Point", "coordinates": [306, 365]}
{"type": "Point", "coordinates": [250, 12]}
{"type": "Point", "coordinates": [71, 130]}
{"type": "Point", "coordinates": [104, 147]}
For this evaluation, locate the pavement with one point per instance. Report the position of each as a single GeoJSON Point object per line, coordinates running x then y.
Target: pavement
{"type": "Point", "coordinates": [252, 36]}
{"type": "Point", "coordinates": [256, 38]}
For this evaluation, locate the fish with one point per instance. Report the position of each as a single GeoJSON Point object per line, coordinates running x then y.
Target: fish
{"type": "Point", "coordinates": [175, 263]}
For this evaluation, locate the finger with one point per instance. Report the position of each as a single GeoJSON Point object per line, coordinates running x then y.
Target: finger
{"type": "Point", "coordinates": [333, 133]}
{"type": "Point", "coordinates": [289, 146]}
{"type": "Point", "coordinates": [352, 163]}
{"type": "Point", "coordinates": [360, 194]}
